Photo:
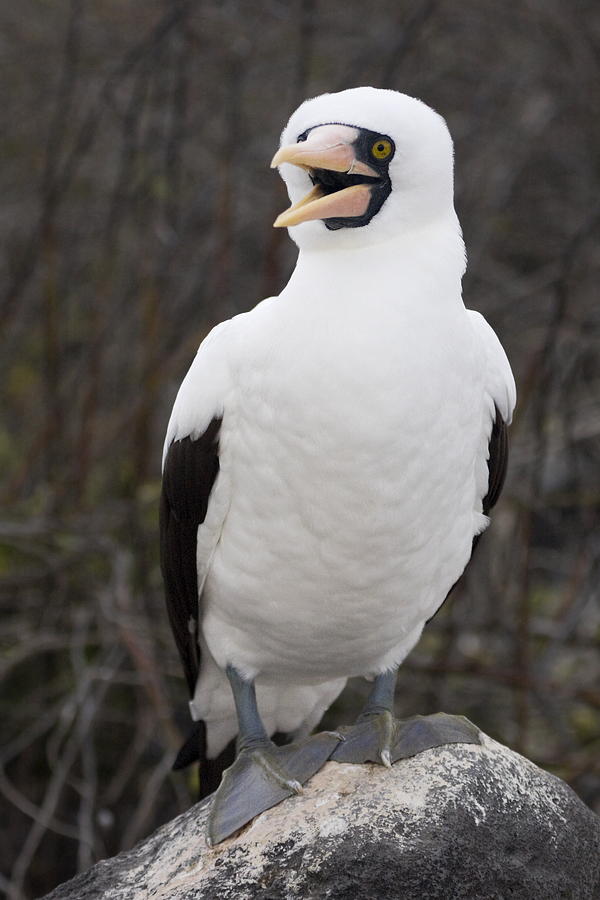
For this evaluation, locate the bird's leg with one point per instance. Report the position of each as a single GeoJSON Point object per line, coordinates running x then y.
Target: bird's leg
{"type": "Point", "coordinates": [377, 736]}
{"type": "Point", "coordinates": [251, 732]}
{"type": "Point", "coordinates": [263, 774]}
{"type": "Point", "coordinates": [379, 708]}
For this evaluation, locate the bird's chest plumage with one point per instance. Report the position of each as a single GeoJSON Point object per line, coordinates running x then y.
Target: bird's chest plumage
{"type": "Point", "coordinates": [349, 454]}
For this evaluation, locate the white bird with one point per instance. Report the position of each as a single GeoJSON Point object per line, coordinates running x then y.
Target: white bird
{"type": "Point", "coordinates": [331, 457]}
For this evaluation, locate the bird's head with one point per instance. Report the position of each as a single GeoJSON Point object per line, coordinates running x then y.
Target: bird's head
{"type": "Point", "coordinates": [362, 166]}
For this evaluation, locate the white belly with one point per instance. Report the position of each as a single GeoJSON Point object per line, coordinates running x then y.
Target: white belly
{"type": "Point", "coordinates": [352, 504]}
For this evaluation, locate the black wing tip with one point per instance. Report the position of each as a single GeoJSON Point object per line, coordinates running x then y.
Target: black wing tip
{"type": "Point", "coordinates": [497, 462]}
{"type": "Point", "coordinates": [191, 467]}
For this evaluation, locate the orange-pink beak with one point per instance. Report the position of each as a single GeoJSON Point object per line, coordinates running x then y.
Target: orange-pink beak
{"type": "Point", "coordinates": [326, 147]}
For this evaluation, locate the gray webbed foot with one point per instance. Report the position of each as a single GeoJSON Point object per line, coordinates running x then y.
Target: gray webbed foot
{"type": "Point", "coordinates": [380, 738]}
{"type": "Point", "coordinates": [261, 777]}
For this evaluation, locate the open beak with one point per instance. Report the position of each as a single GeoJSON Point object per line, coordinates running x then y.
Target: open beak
{"type": "Point", "coordinates": [342, 183]}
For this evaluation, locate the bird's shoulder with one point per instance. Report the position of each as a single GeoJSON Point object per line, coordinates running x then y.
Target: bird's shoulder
{"type": "Point", "coordinates": [204, 391]}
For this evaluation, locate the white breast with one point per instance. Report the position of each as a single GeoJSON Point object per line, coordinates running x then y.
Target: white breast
{"type": "Point", "coordinates": [349, 453]}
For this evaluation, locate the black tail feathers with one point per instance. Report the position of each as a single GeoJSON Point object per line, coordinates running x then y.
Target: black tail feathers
{"type": "Point", "coordinates": [194, 750]}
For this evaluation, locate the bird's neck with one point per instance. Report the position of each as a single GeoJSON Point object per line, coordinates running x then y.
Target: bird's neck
{"type": "Point", "coordinates": [426, 263]}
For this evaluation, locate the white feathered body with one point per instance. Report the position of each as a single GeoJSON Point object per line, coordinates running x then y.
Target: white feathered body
{"type": "Point", "coordinates": [357, 409]}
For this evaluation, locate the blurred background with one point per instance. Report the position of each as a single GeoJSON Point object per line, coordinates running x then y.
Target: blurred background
{"type": "Point", "coordinates": [137, 205]}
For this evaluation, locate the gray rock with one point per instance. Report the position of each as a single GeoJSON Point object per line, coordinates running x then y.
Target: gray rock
{"type": "Point", "coordinates": [461, 821]}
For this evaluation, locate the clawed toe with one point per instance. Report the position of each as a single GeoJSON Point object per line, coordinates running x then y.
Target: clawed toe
{"type": "Point", "coordinates": [380, 738]}
{"type": "Point", "coordinates": [421, 733]}
{"type": "Point", "coordinates": [263, 776]}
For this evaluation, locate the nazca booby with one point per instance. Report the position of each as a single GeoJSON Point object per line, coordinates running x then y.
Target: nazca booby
{"type": "Point", "coordinates": [331, 458]}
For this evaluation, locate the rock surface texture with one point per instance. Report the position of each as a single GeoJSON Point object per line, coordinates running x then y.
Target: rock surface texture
{"type": "Point", "coordinates": [461, 821]}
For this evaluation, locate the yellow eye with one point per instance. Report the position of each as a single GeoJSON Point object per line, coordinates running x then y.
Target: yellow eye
{"type": "Point", "coordinates": [381, 149]}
